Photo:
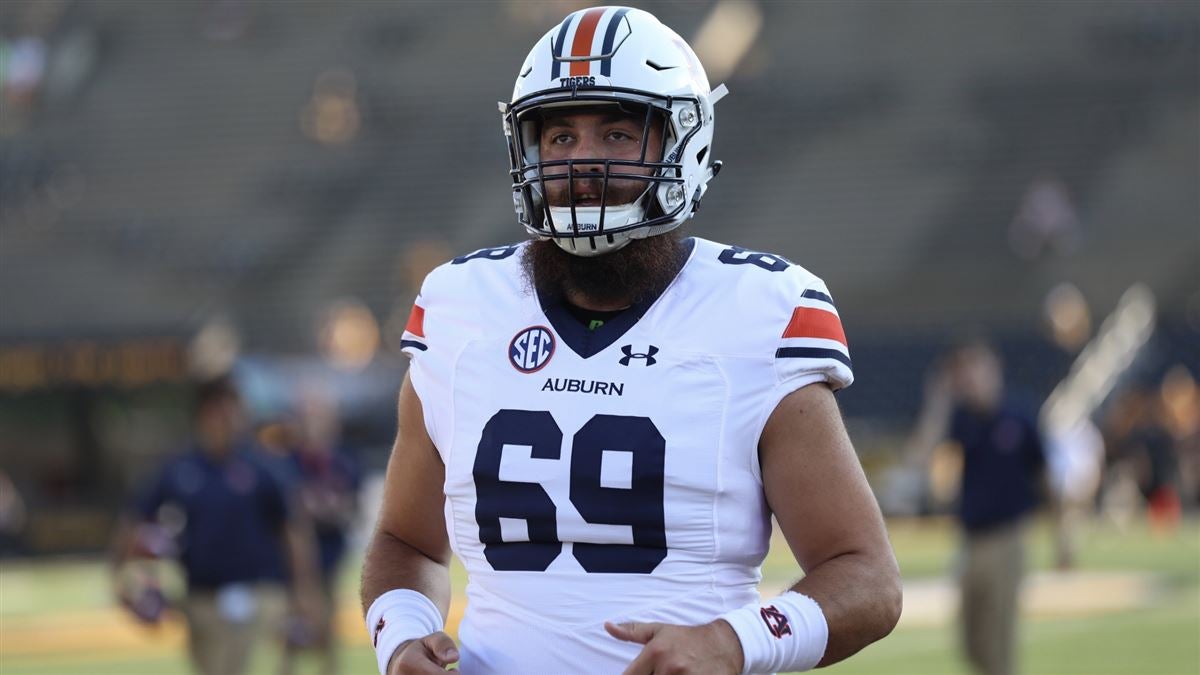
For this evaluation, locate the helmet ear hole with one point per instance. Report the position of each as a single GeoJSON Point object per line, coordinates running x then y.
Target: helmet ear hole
{"type": "Point", "coordinates": [702, 154]}
{"type": "Point", "coordinates": [529, 130]}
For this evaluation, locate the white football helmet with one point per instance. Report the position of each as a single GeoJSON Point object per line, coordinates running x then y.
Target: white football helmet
{"type": "Point", "coordinates": [622, 57]}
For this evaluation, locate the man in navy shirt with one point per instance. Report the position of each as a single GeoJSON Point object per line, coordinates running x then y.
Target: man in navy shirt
{"type": "Point", "coordinates": [1002, 482]}
{"type": "Point", "coordinates": [236, 528]}
{"type": "Point", "coordinates": [329, 481]}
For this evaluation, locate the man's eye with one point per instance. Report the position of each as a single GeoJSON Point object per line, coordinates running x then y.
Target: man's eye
{"type": "Point", "coordinates": [559, 139]}
{"type": "Point", "coordinates": [620, 136]}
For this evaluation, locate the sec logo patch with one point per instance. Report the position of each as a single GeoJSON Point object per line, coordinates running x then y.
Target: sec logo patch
{"type": "Point", "coordinates": [531, 349]}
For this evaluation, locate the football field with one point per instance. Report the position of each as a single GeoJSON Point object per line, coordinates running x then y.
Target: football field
{"type": "Point", "coordinates": [1133, 607]}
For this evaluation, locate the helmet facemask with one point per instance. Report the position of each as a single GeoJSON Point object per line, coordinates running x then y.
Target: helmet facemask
{"type": "Point", "coordinates": [623, 198]}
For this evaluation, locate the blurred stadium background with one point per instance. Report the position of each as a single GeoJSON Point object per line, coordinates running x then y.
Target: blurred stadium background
{"type": "Point", "coordinates": [189, 188]}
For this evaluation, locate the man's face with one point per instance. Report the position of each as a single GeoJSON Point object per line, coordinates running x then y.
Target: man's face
{"type": "Point", "coordinates": [978, 379]}
{"type": "Point", "coordinates": [218, 424]}
{"type": "Point", "coordinates": [598, 133]}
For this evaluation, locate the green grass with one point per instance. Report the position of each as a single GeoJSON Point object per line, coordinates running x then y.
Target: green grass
{"type": "Point", "coordinates": [1163, 639]}
{"type": "Point", "coordinates": [126, 666]}
{"type": "Point", "coordinates": [29, 589]}
{"type": "Point", "coordinates": [1160, 639]}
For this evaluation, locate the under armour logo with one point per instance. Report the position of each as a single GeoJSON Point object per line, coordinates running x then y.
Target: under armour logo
{"type": "Point", "coordinates": [777, 621]}
{"type": "Point", "coordinates": [648, 355]}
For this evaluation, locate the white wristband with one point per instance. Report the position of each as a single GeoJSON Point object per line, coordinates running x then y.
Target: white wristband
{"type": "Point", "coordinates": [396, 617]}
{"type": "Point", "coordinates": [787, 634]}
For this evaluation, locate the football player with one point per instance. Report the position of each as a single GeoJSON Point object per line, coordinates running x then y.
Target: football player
{"type": "Point", "coordinates": [602, 421]}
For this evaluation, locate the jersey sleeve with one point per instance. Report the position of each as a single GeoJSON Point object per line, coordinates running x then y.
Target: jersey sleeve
{"type": "Point", "coordinates": [422, 368]}
{"type": "Point", "coordinates": [431, 340]}
{"type": "Point", "coordinates": [413, 340]}
{"type": "Point", "coordinates": [813, 346]}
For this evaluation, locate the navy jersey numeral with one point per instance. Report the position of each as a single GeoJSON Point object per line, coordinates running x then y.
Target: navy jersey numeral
{"type": "Point", "coordinates": [638, 504]}
{"type": "Point", "coordinates": [736, 255]}
{"type": "Point", "coordinates": [498, 499]}
{"type": "Point", "coordinates": [498, 253]}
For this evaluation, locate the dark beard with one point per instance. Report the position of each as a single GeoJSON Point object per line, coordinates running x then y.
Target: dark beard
{"type": "Point", "coordinates": [639, 271]}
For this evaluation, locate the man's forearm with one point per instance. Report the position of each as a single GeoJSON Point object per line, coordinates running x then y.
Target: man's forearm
{"type": "Point", "coordinates": [390, 563]}
{"type": "Point", "coordinates": [300, 547]}
{"type": "Point", "coordinates": [860, 597]}
{"type": "Point", "coordinates": [933, 423]}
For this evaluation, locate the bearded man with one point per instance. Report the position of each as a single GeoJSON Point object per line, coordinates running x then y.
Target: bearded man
{"type": "Point", "coordinates": [602, 421]}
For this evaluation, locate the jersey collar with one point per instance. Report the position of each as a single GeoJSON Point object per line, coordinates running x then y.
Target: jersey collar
{"type": "Point", "coordinates": [587, 343]}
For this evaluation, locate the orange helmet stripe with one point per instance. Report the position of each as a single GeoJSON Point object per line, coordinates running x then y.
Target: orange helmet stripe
{"type": "Point", "coordinates": [582, 44]}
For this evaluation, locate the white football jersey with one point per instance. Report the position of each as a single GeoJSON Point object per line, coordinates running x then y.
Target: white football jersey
{"type": "Point", "coordinates": [609, 474]}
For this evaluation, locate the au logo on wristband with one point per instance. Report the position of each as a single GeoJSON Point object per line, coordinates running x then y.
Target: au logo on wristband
{"type": "Point", "coordinates": [777, 621]}
{"type": "Point", "coordinates": [378, 629]}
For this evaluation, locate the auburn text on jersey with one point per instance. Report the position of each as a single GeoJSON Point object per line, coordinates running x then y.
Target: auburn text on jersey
{"type": "Point", "coordinates": [584, 386]}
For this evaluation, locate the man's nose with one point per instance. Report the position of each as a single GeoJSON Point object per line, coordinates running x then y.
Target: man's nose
{"type": "Point", "coordinates": [587, 148]}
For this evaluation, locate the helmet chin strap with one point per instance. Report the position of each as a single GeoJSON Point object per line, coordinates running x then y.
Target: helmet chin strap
{"type": "Point", "coordinates": [582, 246]}
{"type": "Point", "coordinates": [588, 244]}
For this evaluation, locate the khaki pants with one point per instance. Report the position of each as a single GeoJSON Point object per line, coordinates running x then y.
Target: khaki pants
{"type": "Point", "coordinates": [322, 638]}
{"type": "Point", "coordinates": [225, 625]}
{"type": "Point", "coordinates": [993, 565]}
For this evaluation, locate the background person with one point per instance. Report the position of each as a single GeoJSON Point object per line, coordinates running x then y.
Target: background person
{"type": "Point", "coordinates": [329, 482]}
{"type": "Point", "coordinates": [237, 526]}
{"type": "Point", "coordinates": [1003, 481]}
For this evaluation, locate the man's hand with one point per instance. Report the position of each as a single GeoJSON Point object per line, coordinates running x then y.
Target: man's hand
{"type": "Point", "coordinates": [430, 654]}
{"type": "Point", "coordinates": [711, 648]}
